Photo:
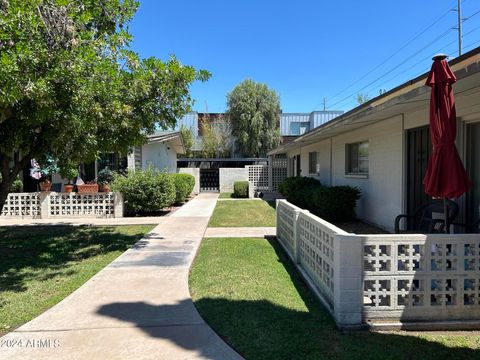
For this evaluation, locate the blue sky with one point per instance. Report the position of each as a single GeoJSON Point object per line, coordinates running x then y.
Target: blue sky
{"type": "Point", "coordinates": [306, 50]}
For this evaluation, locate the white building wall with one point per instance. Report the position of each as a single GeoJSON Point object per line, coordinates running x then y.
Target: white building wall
{"type": "Point", "coordinates": [159, 156]}
{"type": "Point", "coordinates": [382, 189]}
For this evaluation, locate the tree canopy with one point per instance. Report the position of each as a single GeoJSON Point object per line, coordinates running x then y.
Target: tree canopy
{"type": "Point", "coordinates": [254, 111]}
{"type": "Point", "coordinates": [71, 87]}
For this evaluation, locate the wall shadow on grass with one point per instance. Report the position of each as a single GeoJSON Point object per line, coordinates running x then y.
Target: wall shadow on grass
{"type": "Point", "coordinates": [42, 252]}
{"type": "Point", "coordinates": [263, 330]}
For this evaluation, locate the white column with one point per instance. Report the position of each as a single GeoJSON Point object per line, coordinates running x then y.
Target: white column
{"type": "Point", "coordinates": [348, 298]}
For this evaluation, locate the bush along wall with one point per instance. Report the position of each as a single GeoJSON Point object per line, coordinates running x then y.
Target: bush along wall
{"type": "Point", "coordinates": [145, 191]}
{"type": "Point", "coordinates": [184, 184]}
{"type": "Point", "coordinates": [240, 189]}
{"type": "Point", "coordinates": [332, 203]}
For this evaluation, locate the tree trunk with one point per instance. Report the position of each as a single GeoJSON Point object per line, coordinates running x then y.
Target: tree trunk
{"type": "Point", "coordinates": [8, 177]}
{"type": "Point", "coordinates": [4, 189]}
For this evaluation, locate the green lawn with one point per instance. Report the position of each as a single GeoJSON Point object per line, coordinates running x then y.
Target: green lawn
{"type": "Point", "coordinates": [39, 266]}
{"type": "Point", "coordinates": [251, 294]}
{"type": "Point", "coordinates": [243, 213]}
{"type": "Point", "coordinates": [226, 195]}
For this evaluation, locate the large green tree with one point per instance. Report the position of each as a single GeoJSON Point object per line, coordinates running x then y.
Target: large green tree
{"type": "Point", "coordinates": [70, 86]}
{"type": "Point", "coordinates": [254, 111]}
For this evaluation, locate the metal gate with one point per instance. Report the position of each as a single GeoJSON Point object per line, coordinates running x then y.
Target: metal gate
{"type": "Point", "coordinates": [209, 180]}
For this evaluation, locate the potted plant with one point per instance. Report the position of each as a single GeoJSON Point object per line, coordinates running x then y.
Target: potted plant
{"type": "Point", "coordinates": [88, 187]}
{"type": "Point", "coordinates": [47, 170]}
{"type": "Point", "coordinates": [70, 174]}
{"type": "Point", "coordinates": [104, 179]}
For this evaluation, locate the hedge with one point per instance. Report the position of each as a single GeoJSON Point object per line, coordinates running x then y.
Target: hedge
{"type": "Point", "coordinates": [240, 189]}
{"type": "Point", "coordinates": [184, 184]}
{"type": "Point", "coordinates": [298, 190]}
{"type": "Point", "coordinates": [332, 203]}
{"type": "Point", "coordinates": [145, 190]}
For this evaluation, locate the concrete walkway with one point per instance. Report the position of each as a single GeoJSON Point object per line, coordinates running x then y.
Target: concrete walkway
{"type": "Point", "coordinates": [147, 220]}
{"type": "Point", "coordinates": [222, 232]}
{"type": "Point", "coordinates": [138, 307]}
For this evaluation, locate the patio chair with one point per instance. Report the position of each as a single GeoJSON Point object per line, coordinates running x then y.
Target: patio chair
{"type": "Point", "coordinates": [428, 218]}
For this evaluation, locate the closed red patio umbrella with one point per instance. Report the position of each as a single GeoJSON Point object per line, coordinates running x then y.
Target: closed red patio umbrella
{"type": "Point", "coordinates": [445, 177]}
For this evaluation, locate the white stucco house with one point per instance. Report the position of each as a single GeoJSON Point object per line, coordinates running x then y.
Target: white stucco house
{"type": "Point", "coordinates": [160, 152]}
{"type": "Point", "coordinates": [382, 147]}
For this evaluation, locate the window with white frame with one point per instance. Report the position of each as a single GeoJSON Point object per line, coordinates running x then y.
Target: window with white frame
{"type": "Point", "coordinates": [357, 158]}
{"type": "Point", "coordinates": [313, 162]}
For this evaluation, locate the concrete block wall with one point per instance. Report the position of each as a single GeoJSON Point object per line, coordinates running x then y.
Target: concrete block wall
{"type": "Point", "coordinates": [318, 247]}
{"type": "Point", "coordinates": [390, 281]}
{"type": "Point", "coordinates": [228, 176]}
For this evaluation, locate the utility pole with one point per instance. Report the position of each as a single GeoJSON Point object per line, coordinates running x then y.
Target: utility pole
{"type": "Point", "coordinates": [324, 104]}
{"type": "Point", "coordinates": [459, 10]}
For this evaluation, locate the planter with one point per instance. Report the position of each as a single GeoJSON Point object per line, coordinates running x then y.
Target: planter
{"type": "Point", "coordinates": [68, 188]}
{"type": "Point", "coordinates": [105, 188]}
{"type": "Point", "coordinates": [87, 188]}
{"type": "Point", "coordinates": [45, 185]}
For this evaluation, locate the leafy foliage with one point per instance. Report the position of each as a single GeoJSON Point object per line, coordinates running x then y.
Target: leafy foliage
{"type": "Point", "coordinates": [254, 111]}
{"type": "Point", "coordinates": [145, 190]}
{"type": "Point", "coordinates": [187, 139]}
{"type": "Point", "coordinates": [217, 138]}
{"type": "Point", "coordinates": [334, 203]}
{"type": "Point", "coordinates": [298, 189]}
{"type": "Point", "coordinates": [184, 184]}
{"type": "Point", "coordinates": [240, 189]}
{"type": "Point", "coordinates": [16, 186]}
{"type": "Point", "coordinates": [71, 87]}
{"type": "Point", "coordinates": [105, 176]}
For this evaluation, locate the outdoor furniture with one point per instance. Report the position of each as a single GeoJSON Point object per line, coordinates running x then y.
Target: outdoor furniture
{"type": "Point", "coordinates": [428, 218]}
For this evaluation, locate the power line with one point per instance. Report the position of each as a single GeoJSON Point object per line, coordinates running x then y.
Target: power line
{"type": "Point", "coordinates": [395, 53]}
{"type": "Point", "coordinates": [394, 68]}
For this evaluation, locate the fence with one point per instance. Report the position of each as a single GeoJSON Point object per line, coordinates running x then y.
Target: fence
{"type": "Point", "coordinates": [380, 279]}
{"type": "Point", "coordinates": [63, 205]}
{"type": "Point", "coordinates": [278, 171]}
{"type": "Point", "coordinates": [258, 177]}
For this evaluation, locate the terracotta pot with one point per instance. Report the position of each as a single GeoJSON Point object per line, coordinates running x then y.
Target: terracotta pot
{"type": "Point", "coordinates": [68, 188]}
{"type": "Point", "coordinates": [105, 188]}
{"type": "Point", "coordinates": [45, 185]}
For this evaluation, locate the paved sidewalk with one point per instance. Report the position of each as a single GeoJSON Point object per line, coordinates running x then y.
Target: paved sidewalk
{"type": "Point", "coordinates": [222, 232]}
{"type": "Point", "coordinates": [84, 221]}
{"type": "Point", "coordinates": [138, 307]}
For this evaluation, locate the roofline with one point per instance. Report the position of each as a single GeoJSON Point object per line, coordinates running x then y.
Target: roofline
{"type": "Point", "coordinates": [368, 104]}
{"type": "Point", "coordinates": [165, 137]}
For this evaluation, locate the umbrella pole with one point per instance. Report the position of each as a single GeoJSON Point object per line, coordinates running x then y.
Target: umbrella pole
{"type": "Point", "coordinates": [445, 214]}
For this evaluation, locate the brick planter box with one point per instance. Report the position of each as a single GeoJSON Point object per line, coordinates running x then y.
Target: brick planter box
{"type": "Point", "coordinates": [87, 188]}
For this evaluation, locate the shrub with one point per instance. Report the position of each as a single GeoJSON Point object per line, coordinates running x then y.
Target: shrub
{"type": "Point", "coordinates": [16, 186]}
{"type": "Point", "coordinates": [336, 203]}
{"type": "Point", "coordinates": [184, 184]}
{"type": "Point", "coordinates": [145, 191]}
{"type": "Point", "coordinates": [240, 189]}
{"type": "Point", "coordinates": [105, 176]}
{"type": "Point", "coordinates": [298, 190]}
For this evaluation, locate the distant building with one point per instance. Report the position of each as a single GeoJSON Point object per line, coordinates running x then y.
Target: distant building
{"type": "Point", "coordinates": [291, 124]}
{"type": "Point", "coordinates": [296, 124]}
